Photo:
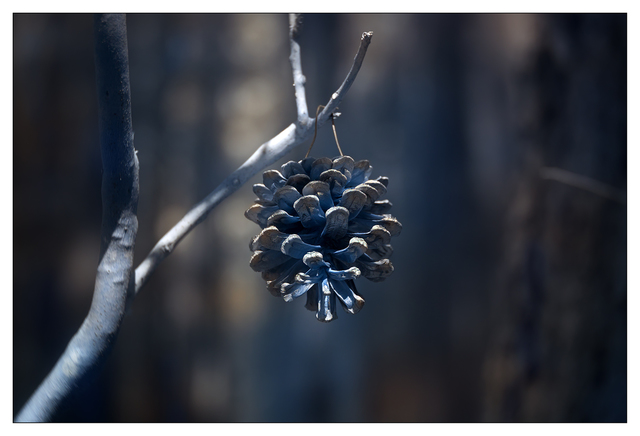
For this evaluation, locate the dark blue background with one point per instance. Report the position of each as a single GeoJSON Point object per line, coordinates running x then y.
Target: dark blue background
{"type": "Point", "coordinates": [508, 300]}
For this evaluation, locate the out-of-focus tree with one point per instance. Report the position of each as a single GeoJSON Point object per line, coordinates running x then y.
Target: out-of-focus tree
{"type": "Point", "coordinates": [558, 351]}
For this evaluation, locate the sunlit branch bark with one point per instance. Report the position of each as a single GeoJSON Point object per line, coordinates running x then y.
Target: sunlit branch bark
{"type": "Point", "coordinates": [89, 348]}
{"type": "Point", "coordinates": [116, 282]}
{"type": "Point", "coordinates": [269, 152]}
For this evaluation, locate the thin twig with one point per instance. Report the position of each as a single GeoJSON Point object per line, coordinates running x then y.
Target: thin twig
{"type": "Point", "coordinates": [333, 116]}
{"type": "Point", "coordinates": [583, 182]}
{"type": "Point", "coordinates": [337, 96]}
{"type": "Point", "coordinates": [315, 131]}
{"type": "Point", "coordinates": [335, 134]}
{"type": "Point", "coordinates": [269, 152]}
{"type": "Point", "coordinates": [91, 345]}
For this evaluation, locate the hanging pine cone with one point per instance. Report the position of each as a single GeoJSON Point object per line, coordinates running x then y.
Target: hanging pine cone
{"type": "Point", "coordinates": [323, 226]}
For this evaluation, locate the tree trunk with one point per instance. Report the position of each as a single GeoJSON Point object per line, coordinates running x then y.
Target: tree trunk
{"type": "Point", "coordinates": [559, 340]}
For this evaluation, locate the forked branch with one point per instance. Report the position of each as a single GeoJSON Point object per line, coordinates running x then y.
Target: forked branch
{"type": "Point", "coordinates": [269, 152]}
{"type": "Point", "coordinates": [116, 283]}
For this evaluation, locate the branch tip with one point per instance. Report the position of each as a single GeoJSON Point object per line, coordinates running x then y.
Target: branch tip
{"type": "Point", "coordinates": [337, 96]}
{"type": "Point", "coordinates": [295, 25]}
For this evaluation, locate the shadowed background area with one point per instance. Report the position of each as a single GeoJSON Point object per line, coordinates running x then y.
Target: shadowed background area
{"type": "Point", "coordinates": [509, 296]}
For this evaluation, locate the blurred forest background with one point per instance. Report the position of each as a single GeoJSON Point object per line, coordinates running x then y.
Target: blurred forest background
{"type": "Point", "coordinates": [509, 296]}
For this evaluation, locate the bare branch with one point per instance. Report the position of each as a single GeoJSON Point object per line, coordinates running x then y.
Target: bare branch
{"type": "Point", "coordinates": [115, 284]}
{"type": "Point", "coordinates": [90, 346]}
{"type": "Point", "coordinates": [337, 96]}
{"type": "Point", "coordinates": [295, 24]}
{"type": "Point", "coordinates": [583, 182]}
{"type": "Point", "coordinates": [269, 152]}
{"type": "Point", "coordinates": [264, 156]}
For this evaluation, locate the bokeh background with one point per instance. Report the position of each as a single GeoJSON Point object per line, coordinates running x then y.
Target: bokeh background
{"type": "Point", "coordinates": [509, 296]}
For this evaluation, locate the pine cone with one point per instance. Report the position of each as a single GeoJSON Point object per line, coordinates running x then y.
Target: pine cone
{"type": "Point", "coordinates": [323, 226]}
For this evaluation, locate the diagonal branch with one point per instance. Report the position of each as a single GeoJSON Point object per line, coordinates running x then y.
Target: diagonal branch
{"type": "Point", "coordinates": [264, 156]}
{"type": "Point", "coordinates": [90, 346]}
{"type": "Point", "coordinates": [583, 182]}
{"type": "Point", "coordinates": [115, 283]}
{"type": "Point", "coordinates": [337, 96]}
{"type": "Point", "coordinates": [269, 152]}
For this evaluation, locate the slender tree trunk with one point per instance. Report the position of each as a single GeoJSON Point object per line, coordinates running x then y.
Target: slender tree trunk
{"type": "Point", "coordinates": [89, 348]}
